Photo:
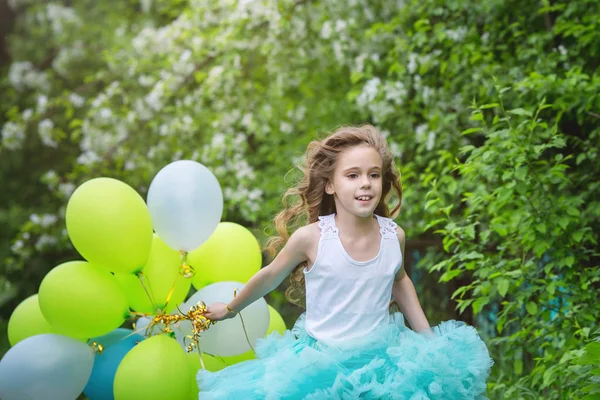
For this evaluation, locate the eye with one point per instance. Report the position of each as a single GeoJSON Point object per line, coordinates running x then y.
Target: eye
{"type": "Point", "coordinates": [352, 176]}
{"type": "Point", "coordinates": [374, 175]}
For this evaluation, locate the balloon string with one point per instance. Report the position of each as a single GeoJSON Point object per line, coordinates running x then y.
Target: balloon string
{"type": "Point", "coordinates": [244, 325]}
{"type": "Point", "coordinates": [148, 289]}
{"type": "Point", "coordinates": [171, 292]}
{"type": "Point", "coordinates": [200, 353]}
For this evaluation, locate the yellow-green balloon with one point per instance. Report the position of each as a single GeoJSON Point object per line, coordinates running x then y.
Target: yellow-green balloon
{"type": "Point", "coordinates": [276, 322]}
{"type": "Point", "coordinates": [159, 274]}
{"type": "Point", "coordinates": [155, 369]}
{"type": "Point", "coordinates": [82, 300]}
{"type": "Point", "coordinates": [230, 360]}
{"type": "Point", "coordinates": [27, 320]}
{"type": "Point", "coordinates": [231, 253]}
{"type": "Point", "coordinates": [211, 364]}
{"type": "Point", "coordinates": [109, 225]}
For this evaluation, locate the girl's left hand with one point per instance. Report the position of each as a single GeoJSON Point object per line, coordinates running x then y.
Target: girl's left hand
{"type": "Point", "coordinates": [218, 312]}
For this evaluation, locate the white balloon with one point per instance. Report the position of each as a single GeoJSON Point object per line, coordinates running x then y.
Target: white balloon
{"type": "Point", "coordinates": [47, 366]}
{"type": "Point", "coordinates": [227, 338]}
{"type": "Point", "coordinates": [186, 204]}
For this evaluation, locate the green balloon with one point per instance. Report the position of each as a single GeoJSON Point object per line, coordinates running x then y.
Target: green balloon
{"type": "Point", "coordinates": [276, 322]}
{"type": "Point", "coordinates": [27, 320]}
{"type": "Point", "coordinates": [82, 300]}
{"type": "Point", "coordinates": [109, 225]}
{"type": "Point", "coordinates": [211, 364]}
{"type": "Point", "coordinates": [158, 275]}
{"type": "Point", "coordinates": [231, 253]}
{"type": "Point", "coordinates": [155, 369]}
{"type": "Point", "coordinates": [230, 360]}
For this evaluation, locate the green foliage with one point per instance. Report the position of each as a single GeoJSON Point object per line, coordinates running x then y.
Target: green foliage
{"type": "Point", "coordinates": [491, 107]}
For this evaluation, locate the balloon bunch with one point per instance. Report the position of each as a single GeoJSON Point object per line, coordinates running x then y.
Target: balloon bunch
{"type": "Point", "coordinates": [141, 260]}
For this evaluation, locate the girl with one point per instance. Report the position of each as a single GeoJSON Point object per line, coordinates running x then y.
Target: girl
{"type": "Point", "coordinates": [346, 265]}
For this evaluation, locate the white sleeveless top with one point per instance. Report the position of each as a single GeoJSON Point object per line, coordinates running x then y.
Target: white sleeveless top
{"type": "Point", "coordinates": [346, 298]}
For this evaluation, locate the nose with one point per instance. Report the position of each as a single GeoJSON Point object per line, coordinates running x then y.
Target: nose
{"type": "Point", "coordinates": [366, 183]}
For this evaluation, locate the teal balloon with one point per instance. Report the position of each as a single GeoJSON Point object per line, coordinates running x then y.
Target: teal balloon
{"type": "Point", "coordinates": [116, 345]}
{"type": "Point", "coordinates": [47, 366]}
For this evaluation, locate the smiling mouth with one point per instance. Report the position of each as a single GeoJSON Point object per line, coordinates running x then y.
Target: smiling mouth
{"type": "Point", "coordinates": [364, 198]}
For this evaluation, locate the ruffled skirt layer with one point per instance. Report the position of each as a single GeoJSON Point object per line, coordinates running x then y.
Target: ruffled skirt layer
{"type": "Point", "coordinates": [394, 362]}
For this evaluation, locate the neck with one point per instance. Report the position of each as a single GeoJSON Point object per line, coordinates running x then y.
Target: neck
{"type": "Point", "coordinates": [354, 225]}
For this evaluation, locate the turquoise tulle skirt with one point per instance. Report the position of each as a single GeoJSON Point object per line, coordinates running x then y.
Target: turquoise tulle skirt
{"type": "Point", "coordinates": [392, 363]}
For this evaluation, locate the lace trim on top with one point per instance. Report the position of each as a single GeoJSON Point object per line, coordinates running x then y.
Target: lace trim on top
{"type": "Point", "coordinates": [327, 226]}
{"type": "Point", "coordinates": [387, 228]}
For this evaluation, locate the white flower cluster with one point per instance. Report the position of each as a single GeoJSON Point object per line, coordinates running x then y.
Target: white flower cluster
{"type": "Point", "coordinates": [45, 131]}
{"type": "Point", "coordinates": [13, 135]}
{"type": "Point", "coordinates": [60, 16]}
{"type": "Point", "coordinates": [44, 220]}
{"type": "Point", "coordinates": [23, 75]}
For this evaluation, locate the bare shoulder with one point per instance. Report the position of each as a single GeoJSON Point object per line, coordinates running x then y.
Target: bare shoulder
{"type": "Point", "coordinates": [401, 235]}
{"type": "Point", "coordinates": [305, 237]}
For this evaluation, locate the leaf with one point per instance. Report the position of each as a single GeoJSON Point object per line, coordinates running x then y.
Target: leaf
{"type": "Point", "coordinates": [518, 366]}
{"type": "Point", "coordinates": [569, 261]}
{"type": "Point", "coordinates": [532, 308]}
{"type": "Point", "coordinates": [573, 211]}
{"type": "Point", "coordinates": [470, 130]}
{"type": "Point", "coordinates": [591, 355]}
{"type": "Point", "coordinates": [479, 304]}
{"type": "Point", "coordinates": [492, 105]}
{"type": "Point", "coordinates": [470, 231]}
{"type": "Point", "coordinates": [502, 284]}
{"type": "Point", "coordinates": [449, 275]}
{"type": "Point", "coordinates": [521, 111]}
{"type": "Point", "coordinates": [477, 117]}
{"type": "Point", "coordinates": [578, 236]}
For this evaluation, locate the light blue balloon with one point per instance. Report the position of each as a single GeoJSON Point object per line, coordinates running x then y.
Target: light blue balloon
{"type": "Point", "coordinates": [47, 366]}
{"type": "Point", "coordinates": [186, 204]}
{"type": "Point", "coordinates": [116, 345]}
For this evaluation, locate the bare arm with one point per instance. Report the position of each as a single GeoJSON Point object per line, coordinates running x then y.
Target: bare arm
{"type": "Point", "coordinates": [268, 278]}
{"type": "Point", "coordinates": [405, 295]}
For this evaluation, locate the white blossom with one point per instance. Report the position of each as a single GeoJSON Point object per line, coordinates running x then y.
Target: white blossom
{"type": "Point", "coordinates": [430, 140]}
{"type": "Point", "coordinates": [76, 100]}
{"type": "Point", "coordinates": [17, 246]}
{"type": "Point", "coordinates": [27, 114]}
{"type": "Point", "coordinates": [326, 30]}
{"type": "Point", "coordinates": [286, 127]}
{"type": "Point", "coordinates": [88, 158]}
{"type": "Point", "coordinates": [457, 35]}
{"type": "Point", "coordinates": [42, 104]}
{"type": "Point", "coordinates": [13, 135]}
{"type": "Point", "coordinates": [66, 189]}
{"type": "Point", "coordinates": [59, 16]}
{"type": "Point", "coordinates": [23, 75]}
{"type": "Point", "coordinates": [412, 63]}
{"type": "Point", "coordinates": [369, 92]}
{"type": "Point", "coordinates": [395, 92]}
{"type": "Point", "coordinates": [45, 241]}
{"type": "Point", "coordinates": [45, 132]}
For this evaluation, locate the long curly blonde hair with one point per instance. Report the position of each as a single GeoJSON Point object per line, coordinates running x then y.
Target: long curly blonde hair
{"type": "Point", "coordinates": [320, 162]}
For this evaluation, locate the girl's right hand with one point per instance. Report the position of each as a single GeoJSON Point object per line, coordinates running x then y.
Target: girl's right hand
{"type": "Point", "coordinates": [218, 312]}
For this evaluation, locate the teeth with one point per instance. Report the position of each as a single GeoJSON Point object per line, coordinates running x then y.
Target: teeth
{"type": "Point", "coordinates": [364, 198]}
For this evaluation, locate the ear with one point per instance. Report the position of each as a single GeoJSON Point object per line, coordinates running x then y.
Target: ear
{"type": "Point", "coordinates": [329, 188]}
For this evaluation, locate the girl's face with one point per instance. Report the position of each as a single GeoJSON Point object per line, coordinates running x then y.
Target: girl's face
{"type": "Point", "coordinates": [356, 183]}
